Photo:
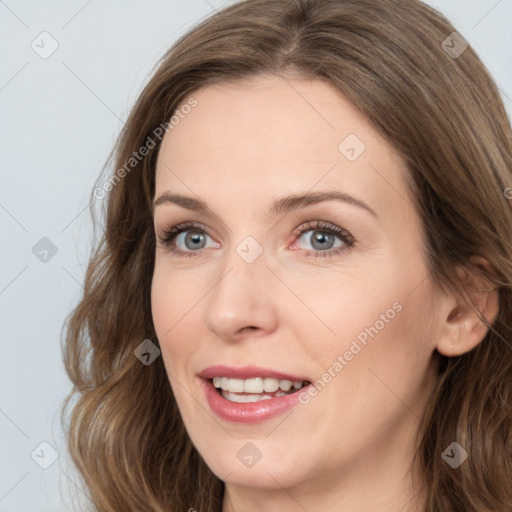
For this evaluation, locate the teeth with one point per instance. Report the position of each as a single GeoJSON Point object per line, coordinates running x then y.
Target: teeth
{"type": "Point", "coordinates": [234, 397]}
{"type": "Point", "coordinates": [270, 385]}
{"type": "Point", "coordinates": [251, 385]}
{"type": "Point", "coordinates": [285, 385]}
{"type": "Point", "coordinates": [235, 385]}
{"type": "Point", "coordinates": [257, 385]}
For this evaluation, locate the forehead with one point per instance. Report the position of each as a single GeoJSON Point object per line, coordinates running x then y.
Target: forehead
{"type": "Point", "coordinates": [266, 135]}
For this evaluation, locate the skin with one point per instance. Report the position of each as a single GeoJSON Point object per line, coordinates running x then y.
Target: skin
{"type": "Point", "coordinates": [350, 448]}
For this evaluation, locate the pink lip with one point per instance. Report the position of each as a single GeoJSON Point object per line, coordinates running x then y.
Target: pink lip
{"type": "Point", "coordinates": [253, 412]}
{"type": "Point", "coordinates": [246, 372]}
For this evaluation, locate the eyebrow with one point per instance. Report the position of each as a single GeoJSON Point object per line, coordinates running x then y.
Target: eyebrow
{"type": "Point", "coordinates": [280, 205]}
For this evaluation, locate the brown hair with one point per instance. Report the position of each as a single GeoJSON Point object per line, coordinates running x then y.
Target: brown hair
{"type": "Point", "coordinates": [441, 112]}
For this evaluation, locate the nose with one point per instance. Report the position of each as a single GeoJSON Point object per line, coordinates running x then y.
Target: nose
{"type": "Point", "coordinates": [243, 301]}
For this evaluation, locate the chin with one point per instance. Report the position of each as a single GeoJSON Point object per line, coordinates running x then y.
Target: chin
{"type": "Point", "coordinates": [258, 464]}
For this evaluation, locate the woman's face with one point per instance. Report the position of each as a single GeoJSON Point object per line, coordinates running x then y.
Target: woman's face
{"type": "Point", "coordinates": [242, 295]}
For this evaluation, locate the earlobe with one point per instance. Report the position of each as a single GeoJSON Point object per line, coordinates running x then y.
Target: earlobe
{"type": "Point", "coordinates": [464, 325]}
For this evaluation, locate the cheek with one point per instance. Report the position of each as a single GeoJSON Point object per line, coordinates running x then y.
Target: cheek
{"type": "Point", "coordinates": [385, 354]}
{"type": "Point", "coordinates": [172, 301]}
{"type": "Point", "coordinates": [344, 304]}
{"type": "Point", "coordinates": [376, 317]}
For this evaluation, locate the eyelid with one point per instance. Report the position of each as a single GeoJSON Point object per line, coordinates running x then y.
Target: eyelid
{"type": "Point", "coordinates": [174, 230]}
{"type": "Point", "coordinates": [346, 238]}
{"type": "Point", "coordinates": [322, 225]}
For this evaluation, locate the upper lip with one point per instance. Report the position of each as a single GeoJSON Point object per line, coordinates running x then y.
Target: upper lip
{"type": "Point", "coordinates": [247, 372]}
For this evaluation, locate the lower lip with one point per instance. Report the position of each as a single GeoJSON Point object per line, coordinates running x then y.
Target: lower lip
{"type": "Point", "coordinates": [252, 412]}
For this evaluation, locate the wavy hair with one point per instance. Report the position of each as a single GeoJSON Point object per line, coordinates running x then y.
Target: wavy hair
{"type": "Point", "coordinates": [442, 112]}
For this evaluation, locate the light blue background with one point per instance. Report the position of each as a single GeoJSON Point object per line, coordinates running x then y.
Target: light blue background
{"type": "Point", "coordinates": [58, 120]}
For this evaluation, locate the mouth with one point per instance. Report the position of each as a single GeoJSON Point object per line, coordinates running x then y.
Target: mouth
{"type": "Point", "coordinates": [255, 389]}
{"type": "Point", "coordinates": [251, 394]}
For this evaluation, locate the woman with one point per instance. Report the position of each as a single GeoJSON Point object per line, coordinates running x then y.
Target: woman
{"type": "Point", "coordinates": [220, 360]}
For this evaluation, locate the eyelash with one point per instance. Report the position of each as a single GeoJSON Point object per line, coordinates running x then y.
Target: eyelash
{"type": "Point", "coordinates": [348, 240]}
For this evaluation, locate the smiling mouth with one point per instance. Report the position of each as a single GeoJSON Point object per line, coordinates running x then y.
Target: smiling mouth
{"type": "Point", "coordinates": [255, 389]}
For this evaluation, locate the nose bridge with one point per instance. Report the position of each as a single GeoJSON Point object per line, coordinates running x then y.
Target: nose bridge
{"type": "Point", "coordinates": [242, 296]}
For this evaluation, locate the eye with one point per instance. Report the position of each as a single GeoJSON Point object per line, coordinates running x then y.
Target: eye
{"type": "Point", "coordinates": [191, 237]}
{"type": "Point", "coordinates": [324, 239]}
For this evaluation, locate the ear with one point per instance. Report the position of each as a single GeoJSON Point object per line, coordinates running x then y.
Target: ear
{"type": "Point", "coordinates": [463, 328]}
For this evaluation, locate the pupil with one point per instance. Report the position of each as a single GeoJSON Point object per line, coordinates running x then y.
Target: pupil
{"type": "Point", "coordinates": [322, 238]}
{"type": "Point", "coordinates": [195, 237]}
